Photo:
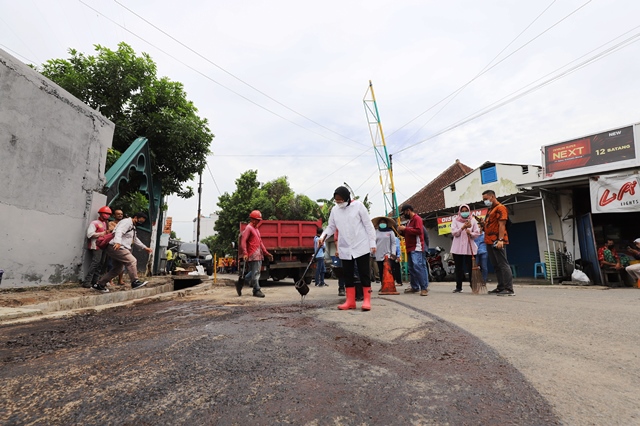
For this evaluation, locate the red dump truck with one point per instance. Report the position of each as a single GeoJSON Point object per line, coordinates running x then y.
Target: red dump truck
{"type": "Point", "coordinates": [291, 244]}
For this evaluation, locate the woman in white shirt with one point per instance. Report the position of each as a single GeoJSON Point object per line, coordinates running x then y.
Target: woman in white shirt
{"type": "Point", "coordinates": [357, 242]}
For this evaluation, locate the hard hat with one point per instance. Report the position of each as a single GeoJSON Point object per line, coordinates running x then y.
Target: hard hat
{"type": "Point", "coordinates": [256, 215]}
{"type": "Point", "coordinates": [105, 209]}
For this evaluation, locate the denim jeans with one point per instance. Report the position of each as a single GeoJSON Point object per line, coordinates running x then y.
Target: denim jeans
{"type": "Point", "coordinates": [253, 276]}
{"type": "Point", "coordinates": [482, 260]}
{"type": "Point", "coordinates": [320, 269]}
{"type": "Point", "coordinates": [418, 271]}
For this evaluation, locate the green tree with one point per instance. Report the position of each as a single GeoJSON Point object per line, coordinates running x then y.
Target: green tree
{"type": "Point", "coordinates": [124, 87]}
{"type": "Point", "coordinates": [274, 199]}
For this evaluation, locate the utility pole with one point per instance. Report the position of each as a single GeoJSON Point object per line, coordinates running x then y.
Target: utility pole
{"type": "Point", "coordinates": [198, 221]}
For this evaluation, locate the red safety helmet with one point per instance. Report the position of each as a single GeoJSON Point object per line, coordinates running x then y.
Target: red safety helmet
{"type": "Point", "coordinates": [105, 209]}
{"type": "Point", "coordinates": [256, 215]}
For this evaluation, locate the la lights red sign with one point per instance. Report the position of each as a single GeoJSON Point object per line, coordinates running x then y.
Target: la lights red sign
{"type": "Point", "coordinates": [610, 194]}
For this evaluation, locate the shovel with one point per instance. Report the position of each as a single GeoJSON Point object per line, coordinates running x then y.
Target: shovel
{"type": "Point", "coordinates": [240, 282]}
{"type": "Point", "coordinates": [301, 285]}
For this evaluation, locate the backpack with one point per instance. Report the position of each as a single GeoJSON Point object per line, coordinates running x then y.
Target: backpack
{"type": "Point", "coordinates": [102, 242]}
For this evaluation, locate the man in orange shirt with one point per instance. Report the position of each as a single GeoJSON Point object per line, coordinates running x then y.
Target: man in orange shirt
{"type": "Point", "coordinates": [497, 239]}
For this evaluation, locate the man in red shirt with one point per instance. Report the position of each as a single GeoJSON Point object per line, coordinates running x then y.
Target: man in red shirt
{"type": "Point", "coordinates": [252, 250]}
{"type": "Point", "coordinates": [414, 239]}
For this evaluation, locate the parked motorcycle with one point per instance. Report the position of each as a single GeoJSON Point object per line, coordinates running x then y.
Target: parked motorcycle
{"type": "Point", "coordinates": [436, 267]}
{"type": "Point", "coordinates": [449, 264]}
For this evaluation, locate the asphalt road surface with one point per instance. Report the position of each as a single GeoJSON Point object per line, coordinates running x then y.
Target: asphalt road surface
{"type": "Point", "coordinates": [550, 355]}
{"type": "Point", "coordinates": [223, 360]}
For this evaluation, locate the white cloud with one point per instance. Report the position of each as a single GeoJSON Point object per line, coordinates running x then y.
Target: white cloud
{"type": "Point", "coordinates": [317, 58]}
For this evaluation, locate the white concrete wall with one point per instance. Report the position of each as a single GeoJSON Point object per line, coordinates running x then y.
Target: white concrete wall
{"type": "Point", "coordinates": [557, 228]}
{"type": "Point", "coordinates": [206, 226]}
{"type": "Point", "coordinates": [469, 189]}
{"type": "Point", "coordinates": [52, 156]}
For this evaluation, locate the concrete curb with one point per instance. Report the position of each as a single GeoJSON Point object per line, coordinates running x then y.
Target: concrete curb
{"type": "Point", "coordinates": [105, 301]}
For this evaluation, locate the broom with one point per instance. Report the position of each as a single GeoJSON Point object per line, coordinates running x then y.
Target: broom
{"type": "Point", "coordinates": [478, 286]}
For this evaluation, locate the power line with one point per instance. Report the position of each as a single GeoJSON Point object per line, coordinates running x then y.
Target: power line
{"type": "Point", "coordinates": [516, 95]}
{"type": "Point", "coordinates": [490, 68]}
{"type": "Point", "coordinates": [232, 75]}
{"type": "Point", "coordinates": [461, 89]}
{"type": "Point", "coordinates": [214, 180]}
{"type": "Point", "coordinates": [206, 76]}
{"type": "Point", "coordinates": [395, 161]}
{"type": "Point", "coordinates": [17, 54]}
{"type": "Point", "coordinates": [339, 168]}
{"type": "Point", "coordinates": [284, 155]}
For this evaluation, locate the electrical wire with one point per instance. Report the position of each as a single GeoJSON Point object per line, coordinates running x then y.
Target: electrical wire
{"type": "Point", "coordinates": [339, 168]}
{"type": "Point", "coordinates": [509, 98]}
{"type": "Point", "coordinates": [461, 89]}
{"type": "Point", "coordinates": [205, 75]}
{"type": "Point", "coordinates": [493, 66]}
{"type": "Point", "coordinates": [234, 76]}
{"type": "Point", "coordinates": [395, 161]}
{"type": "Point", "coordinates": [284, 155]}
{"type": "Point", "coordinates": [21, 41]}
{"type": "Point", "coordinates": [214, 180]}
{"type": "Point", "coordinates": [17, 54]}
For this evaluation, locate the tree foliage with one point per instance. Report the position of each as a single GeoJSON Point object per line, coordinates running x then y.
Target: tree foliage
{"type": "Point", "coordinates": [274, 199]}
{"type": "Point", "coordinates": [124, 87]}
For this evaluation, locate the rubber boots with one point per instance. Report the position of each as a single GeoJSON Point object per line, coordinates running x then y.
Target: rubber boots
{"type": "Point", "coordinates": [351, 299]}
{"type": "Point", "coordinates": [366, 305]}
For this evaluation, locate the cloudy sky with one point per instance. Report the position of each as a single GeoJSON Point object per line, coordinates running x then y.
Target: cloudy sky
{"type": "Point", "coordinates": [282, 82]}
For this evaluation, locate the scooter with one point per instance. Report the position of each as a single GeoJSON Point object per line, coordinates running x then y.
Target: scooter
{"type": "Point", "coordinates": [449, 264]}
{"type": "Point", "coordinates": [434, 260]}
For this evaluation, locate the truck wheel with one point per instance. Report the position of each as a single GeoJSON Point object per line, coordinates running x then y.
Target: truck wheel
{"type": "Point", "coordinates": [308, 280]}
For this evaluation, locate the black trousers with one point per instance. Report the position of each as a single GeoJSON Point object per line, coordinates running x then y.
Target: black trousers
{"type": "Point", "coordinates": [362, 263]}
{"type": "Point", "coordinates": [463, 265]}
{"type": "Point", "coordinates": [498, 258]}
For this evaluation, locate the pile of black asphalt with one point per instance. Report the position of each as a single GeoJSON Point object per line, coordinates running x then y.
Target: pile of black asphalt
{"type": "Point", "coordinates": [195, 362]}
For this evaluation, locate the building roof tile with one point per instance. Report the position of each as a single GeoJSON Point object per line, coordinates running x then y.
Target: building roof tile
{"type": "Point", "coordinates": [431, 198]}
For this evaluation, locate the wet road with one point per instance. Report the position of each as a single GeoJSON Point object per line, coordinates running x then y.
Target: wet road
{"type": "Point", "coordinates": [200, 361]}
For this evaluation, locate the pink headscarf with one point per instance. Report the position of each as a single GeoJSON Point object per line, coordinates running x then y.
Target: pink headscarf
{"type": "Point", "coordinates": [459, 217]}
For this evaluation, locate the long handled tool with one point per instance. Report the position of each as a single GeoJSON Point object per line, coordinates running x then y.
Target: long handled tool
{"type": "Point", "coordinates": [478, 286]}
{"type": "Point", "coordinates": [240, 282]}
{"type": "Point", "coordinates": [301, 285]}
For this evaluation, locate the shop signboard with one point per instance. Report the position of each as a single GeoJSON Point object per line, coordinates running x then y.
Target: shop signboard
{"type": "Point", "coordinates": [167, 225]}
{"type": "Point", "coordinates": [444, 223]}
{"type": "Point", "coordinates": [591, 153]}
{"type": "Point", "coordinates": [615, 193]}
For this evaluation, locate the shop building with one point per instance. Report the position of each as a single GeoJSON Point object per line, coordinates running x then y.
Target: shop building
{"type": "Point", "coordinates": [594, 181]}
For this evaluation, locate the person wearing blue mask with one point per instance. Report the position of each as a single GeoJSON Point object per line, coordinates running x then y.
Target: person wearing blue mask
{"type": "Point", "coordinates": [482, 257]}
{"type": "Point", "coordinates": [320, 267]}
{"type": "Point", "coordinates": [385, 245]}
{"type": "Point", "coordinates": [464, 229]}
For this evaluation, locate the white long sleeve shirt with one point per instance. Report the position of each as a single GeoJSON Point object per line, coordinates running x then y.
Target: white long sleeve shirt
{"type": "Point", "coordinates": [357, 234]}
{"type": "Point", "coordinates": [124, 234]}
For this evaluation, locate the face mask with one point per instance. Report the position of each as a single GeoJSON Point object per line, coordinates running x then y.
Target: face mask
{"type": "Point", "coordinates": [342, 205]}
{"type": "Point", "coordinates": [610, 246]}
{"type": "Point", "coordinates": [407, 216]}
{"type": "Point", "coordinates": [487, 203]}
{"type": "Point", "coordinates": [464, 214]}
{"type": "Point", "coordinates": [382, 226]}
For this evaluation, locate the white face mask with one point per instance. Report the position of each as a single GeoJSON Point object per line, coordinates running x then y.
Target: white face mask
{"type": "Point", "coordinates": [487, 203]}
{"type": "Point", "coordinates": [342, 205]}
